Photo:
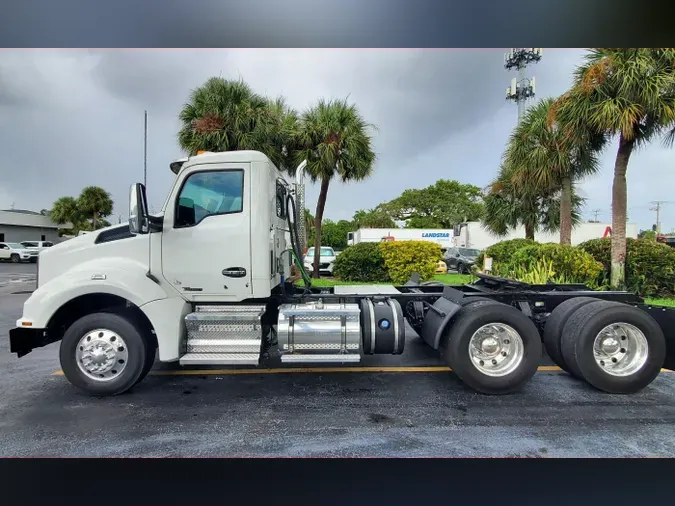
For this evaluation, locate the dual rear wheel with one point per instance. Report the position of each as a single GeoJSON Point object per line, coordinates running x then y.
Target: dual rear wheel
{"type": "Point", "coordinates": [615, 347]}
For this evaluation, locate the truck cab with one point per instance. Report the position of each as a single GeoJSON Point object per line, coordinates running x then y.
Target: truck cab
{"type": "Point", "coordinates": [219, 238]}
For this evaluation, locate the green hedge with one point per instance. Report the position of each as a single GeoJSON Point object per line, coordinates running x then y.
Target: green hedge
{"type": "Point", "coordinates": [650, 266]}
{"type": "Point", "coordinates": [388, 261]}
{"type": "Point", "coordinates": [502, 252]}
{"type": "Point", "coordinates": [402, 258]}
{"type": "Point", "coordinates": [557, 263]}
{"type": "Point", "coordinates": [362, 262]}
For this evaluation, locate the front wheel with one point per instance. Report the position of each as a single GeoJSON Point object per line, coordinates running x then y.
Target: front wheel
{"type": "Point", "coordinates": [103, 354]}
{"type": "Point", "coordinates": [462, 269]}
{"type": "Point", "coordinates": [15, 258]}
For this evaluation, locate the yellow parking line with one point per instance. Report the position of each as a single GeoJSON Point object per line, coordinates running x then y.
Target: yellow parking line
{"type": "Point", "coordinates": [223, 372]}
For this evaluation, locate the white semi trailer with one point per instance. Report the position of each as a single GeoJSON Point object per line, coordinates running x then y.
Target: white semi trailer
{"type": "Point", "coordinates": [442, 237]}
{"type": "Point", "coordinates": [474, 235]}
{"type": "Point", "coordinates": [205, 283]}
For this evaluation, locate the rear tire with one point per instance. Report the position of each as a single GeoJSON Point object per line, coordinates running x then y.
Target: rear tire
{"type": "Point", "coordinates": [615, 347]}
{"type": "Point", "coordinates": [14, 258]}
{"type": "Point", "coordinates": [493, 348]}
{"type": "Point", "coordinates": [554, 328]}
{"type": "Point", "coordinates": [103, 354]}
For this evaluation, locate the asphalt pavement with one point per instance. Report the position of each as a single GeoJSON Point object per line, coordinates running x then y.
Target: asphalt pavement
{"type": "Point", "coordinates": [414, 409]}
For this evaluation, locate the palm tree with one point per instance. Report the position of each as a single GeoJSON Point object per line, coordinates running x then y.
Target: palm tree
{"type": "Point", "coordinates": [224, 115]}
{"type": "Point", "coordinates": [624, 92]}
{"type": "Point", "coordinates": [545, 160]}
{"type": "Point", "coordinates": [94, 201]}
{"type": "Point", "coordinates": [65, 210]}
{"type": "Point", "coordinates": [334, 140]}
{"type": "Point", "coordinates": [508, 206]}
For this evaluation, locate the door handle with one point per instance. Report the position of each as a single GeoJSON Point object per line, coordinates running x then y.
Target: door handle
{"type": "Point", "coordinates": [234, 272]}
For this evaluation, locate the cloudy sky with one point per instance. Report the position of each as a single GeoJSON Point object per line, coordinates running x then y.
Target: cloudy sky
{"type": "Point", "coordinates": [69, 119]}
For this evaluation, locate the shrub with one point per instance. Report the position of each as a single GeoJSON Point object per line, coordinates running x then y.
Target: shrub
{"type": "Point", "coordinates": [402, 258]}
{"type": "Point", "coordinates": [361, 262]}
{"type": "Point", "coordinates": [650, 266]}
{"type": "Point", "coordinates": [502, 252]}
{"type": "Point", "coordinates": [563, 263]}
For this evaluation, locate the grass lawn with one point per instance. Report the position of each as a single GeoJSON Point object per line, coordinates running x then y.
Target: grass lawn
{"type": "Point", "coordinates": [450, 279]}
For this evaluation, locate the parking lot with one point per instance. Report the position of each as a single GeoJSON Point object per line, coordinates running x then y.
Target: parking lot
{"type": "Point", "coordinates": [388, 406]}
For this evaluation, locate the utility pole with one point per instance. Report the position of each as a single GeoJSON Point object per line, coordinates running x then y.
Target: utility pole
{"type": "Point", "coordinates": [657, 207]}
{"type": "Point", "coordinates": [145, 150]}
{"type": "Point", "coordinates": [521, 88]}
{"type": "Point", "coordinates": [595, 214]}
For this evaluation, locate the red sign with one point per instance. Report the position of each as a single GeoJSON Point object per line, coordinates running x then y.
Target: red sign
{"type": "Point", "coordinates": [608, 232]}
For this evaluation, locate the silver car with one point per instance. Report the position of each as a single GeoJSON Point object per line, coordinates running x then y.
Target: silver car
{"type": "Point", "coordinates": [16, 252]}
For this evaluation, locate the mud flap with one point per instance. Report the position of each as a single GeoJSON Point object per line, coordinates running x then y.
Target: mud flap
{"type": "Point", "coordinates": [665, 317]}
{"type": "Point", "coordinates": [439, 315]}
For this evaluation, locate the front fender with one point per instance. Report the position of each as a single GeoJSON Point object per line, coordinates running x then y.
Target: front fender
{"type": "Point", "coordinates": [124, 278]}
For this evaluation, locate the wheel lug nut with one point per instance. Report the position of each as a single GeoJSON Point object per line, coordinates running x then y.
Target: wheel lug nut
{"type": "Point", "coordinates": [602, 362]}
{"type": "Point", "coordinates": [614, 359]}
{"type": "Point", "coordinates": [494, 362]}
{"type": "Point", "coordinates": [623, 350]}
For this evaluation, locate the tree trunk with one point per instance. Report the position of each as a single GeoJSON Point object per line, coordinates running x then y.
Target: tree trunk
{"type": "Point", "coordinates": [320, 205]}
{"type": "Point", "coordinates": [619, 198]}
{"type": "Point", "coordinates": [93, 222]}
{"type": "Point", "coordinates": [529, 231]}
{"type": "Point", "coordinates": [566, 212]}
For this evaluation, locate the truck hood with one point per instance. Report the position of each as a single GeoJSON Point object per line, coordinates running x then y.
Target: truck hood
{"type": "Point", "coordinates": [102, 246]}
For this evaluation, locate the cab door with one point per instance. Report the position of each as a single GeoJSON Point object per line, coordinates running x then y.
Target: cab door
{"type": "Point", "coordinates": [206, 238]}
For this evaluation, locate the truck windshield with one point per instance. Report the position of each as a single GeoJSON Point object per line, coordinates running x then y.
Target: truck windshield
{"type": "Point", "coordinates": [15, 245]}
{"type": "Point", "coordinates": [465, 252]}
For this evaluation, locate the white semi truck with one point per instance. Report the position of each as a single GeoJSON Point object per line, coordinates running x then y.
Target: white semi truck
{"type": "Point", "coordinates": [205, 283]}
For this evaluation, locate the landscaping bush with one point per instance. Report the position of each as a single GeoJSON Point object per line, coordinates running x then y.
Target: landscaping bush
{"type": "Point", "coordinates": [650, 266]}
{"type": "Point", "coordinates": [557, 263]}
{"type": "Point", "coordinates": [502, 252]}
{"type": "Point", "coordinates": [402, 258]}
{"type": "Point", "coordinates": [362, 262]}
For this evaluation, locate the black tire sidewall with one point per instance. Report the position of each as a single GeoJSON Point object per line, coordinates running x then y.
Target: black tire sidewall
{"type": "Point", "coordinates": [555, 324]}
{"type": "Point", "coordinates": [593, 373]}
{"type": "Point", "coordinates": [136, 359]}
{"type": "Point", "coordinates": [457, 348]}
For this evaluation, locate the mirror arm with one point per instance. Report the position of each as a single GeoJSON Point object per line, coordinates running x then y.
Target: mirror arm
{"type": "Point", "coordinates": [155, 223]}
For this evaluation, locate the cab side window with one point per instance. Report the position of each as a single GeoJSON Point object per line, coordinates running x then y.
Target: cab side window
{"type": "Point", "coordinates": [209, 193]}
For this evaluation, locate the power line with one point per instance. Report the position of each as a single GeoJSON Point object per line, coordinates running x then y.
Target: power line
{"type": "Point", "coordinates": [596, 212]}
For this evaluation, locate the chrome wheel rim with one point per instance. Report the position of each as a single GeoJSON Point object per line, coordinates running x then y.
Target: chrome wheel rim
{"type": "Point", "coordinates": [101, 355]}
{"type": "Point", "coordinates": [496, 349]}
{"type": "Point", "coordinates": [620, 349]}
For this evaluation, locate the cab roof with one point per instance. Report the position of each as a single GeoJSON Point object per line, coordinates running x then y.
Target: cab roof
{"type": "Point", "coordinates": [220, 157]}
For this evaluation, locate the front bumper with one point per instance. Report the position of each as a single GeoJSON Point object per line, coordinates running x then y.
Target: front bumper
{"type": "Point", "coordinates": [23, 340]}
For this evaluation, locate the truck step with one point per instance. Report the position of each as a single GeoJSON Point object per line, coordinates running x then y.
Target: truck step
{"type": "Point", "coordinates": [224, 335]}
{"type": "Point", "coordinates": [220, 359]}
{"type": "Point", "coordinates": [311, 358]}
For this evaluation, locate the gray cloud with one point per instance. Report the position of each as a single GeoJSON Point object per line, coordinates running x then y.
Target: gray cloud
{"type": "Point", "coordinates": [73, 118]}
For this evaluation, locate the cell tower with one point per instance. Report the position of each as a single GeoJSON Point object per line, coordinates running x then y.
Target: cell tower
{"type": "Point", "coordinates": [522, 88]}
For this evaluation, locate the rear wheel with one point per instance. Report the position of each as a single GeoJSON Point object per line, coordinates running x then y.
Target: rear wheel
{"type": "Point", "coordinates": [554, 328]}
{"type": "Point", "coordinates": [615, 347]}
{"type": "Point", "coordinates": [103, 354]}
{"type": "Point", "coordinates": [15, 258]}
{"type": "Point", "coordinates": [493, 348]}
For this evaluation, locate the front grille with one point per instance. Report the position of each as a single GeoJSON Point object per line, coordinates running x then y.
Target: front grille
{"type": "Point", "coordinates": [323, 266]}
